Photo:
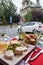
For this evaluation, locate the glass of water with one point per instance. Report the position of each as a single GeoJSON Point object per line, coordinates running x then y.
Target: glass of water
{"type": "Point", "coordinates": [2, 35]}
{"type": "Point", "coordinates": [38, 34]}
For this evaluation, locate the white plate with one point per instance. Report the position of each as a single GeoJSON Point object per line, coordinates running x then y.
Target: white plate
{"type": "Point", "coordinates": [16, 59]}
{"type": "Point", "coordinates": [41, 42]}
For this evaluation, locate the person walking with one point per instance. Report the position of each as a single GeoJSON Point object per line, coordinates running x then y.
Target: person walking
{"type": "Point", "coordinates": [10, 21]}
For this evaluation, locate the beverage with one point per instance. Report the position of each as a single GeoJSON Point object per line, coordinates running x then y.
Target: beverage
{"type": "Point", "coordinates": [2, 34]}
{"type": "Point", "coordinates": [22, 36]}
{"type": "Point", "coordinates": [38, 35]}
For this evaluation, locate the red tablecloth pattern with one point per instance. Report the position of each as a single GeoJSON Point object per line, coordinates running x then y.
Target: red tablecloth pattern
{"type": "Point", "coordinates": [38, 60]}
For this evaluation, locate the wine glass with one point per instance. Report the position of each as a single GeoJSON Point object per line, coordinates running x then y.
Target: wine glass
{"type": "Point", "coordinates": [2, 35]}
{"type": "Point", "coordinates": [38, 34]}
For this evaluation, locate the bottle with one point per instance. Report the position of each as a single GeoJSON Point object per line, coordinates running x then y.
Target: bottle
{"type": "Point", "coordinates": [21, 34]}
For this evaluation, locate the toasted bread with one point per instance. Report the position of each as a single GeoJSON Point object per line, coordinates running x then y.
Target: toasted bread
{"type": "Point", "coordinates": [32, 36]}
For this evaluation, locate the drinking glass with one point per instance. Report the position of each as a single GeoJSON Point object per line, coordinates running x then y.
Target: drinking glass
{"type": "Point", "coordinates": [38, 34]}
{"type": "Point", "coordinates": [2, 35]}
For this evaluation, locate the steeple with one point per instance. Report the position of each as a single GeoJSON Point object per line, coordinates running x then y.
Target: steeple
{"type": "Point", "coordinates": [25, 2]}
{"type": "Point", "coordinates": [37, 3]}
{"type": "Point", "coordinates": [28, 5]}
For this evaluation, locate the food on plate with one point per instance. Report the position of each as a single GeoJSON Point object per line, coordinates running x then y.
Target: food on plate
{"type": "Point", "coordinates": [30, 39]}
{"type": "Point", "coordinates": [24, 44]}
{"type": "Point", "coordinates": [32, 36]}
{"type": "Point", "coordinates": [10, 47]}
{"type": "Point", "coordinates": [15, 43]}
{"type": "Point", "coordinates": [18, 47]}
{"type": "Point", "coordinates": [3, 47]}
{"type": "Point", "coordinates": [20, 50]}
{"type": "Point", "coordinates": [9, 54]}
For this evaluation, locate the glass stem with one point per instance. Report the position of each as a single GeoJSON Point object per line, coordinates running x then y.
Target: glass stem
{"type": "Point", "coordinates": [3, 39]}
{"type": "Point", "coordinates": [37, 41]}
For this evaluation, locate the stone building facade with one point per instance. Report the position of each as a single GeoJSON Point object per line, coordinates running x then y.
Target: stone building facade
{"type": "Point", "coordinates": [28, 5]}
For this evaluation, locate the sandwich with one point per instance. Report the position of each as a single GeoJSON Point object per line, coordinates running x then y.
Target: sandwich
{"type": "Point", "coordinates": [9, 54]}
{"type": "Point", "coordinates": [15, 43]}
{"type": "Point", "coordinates": [20, 50]}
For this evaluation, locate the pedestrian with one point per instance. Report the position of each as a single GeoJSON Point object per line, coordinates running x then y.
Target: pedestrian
{"type": "Point", "coordinates": [11, 21]}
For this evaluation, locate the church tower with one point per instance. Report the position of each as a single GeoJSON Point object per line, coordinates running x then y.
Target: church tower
{"type": "Point", "coordinates": [37, 3]}
{"type": "Point", "coordinates": [25, 3]}
{"type": "Point", "coordinates": [28, 5]}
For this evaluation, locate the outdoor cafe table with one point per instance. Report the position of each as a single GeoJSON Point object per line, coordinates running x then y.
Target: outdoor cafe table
{"type": "Point", "coordinates": [37, 61]}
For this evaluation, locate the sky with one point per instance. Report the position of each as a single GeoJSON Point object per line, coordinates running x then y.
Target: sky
{"type": "Point", "coordinates": [18, 3]}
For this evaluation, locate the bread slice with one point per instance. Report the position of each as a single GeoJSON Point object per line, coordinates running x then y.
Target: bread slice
{"type": "Point", "coordinates": [24, 44]}
{"type": "Point", "coordinates": [33, 41]}
{"type": "Point", "coordinates": [13, 42]}
{"type": "Point", "coordinates": [20, 50]}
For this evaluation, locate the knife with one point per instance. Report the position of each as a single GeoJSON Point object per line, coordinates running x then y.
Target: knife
{"type": "Point", "coordinates": [29, 57]}
{"type": "Point", "coordinates": [36, 55]}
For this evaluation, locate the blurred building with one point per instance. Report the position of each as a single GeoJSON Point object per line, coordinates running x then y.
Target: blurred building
{"type": "Point", "coordinates": [28, 5]}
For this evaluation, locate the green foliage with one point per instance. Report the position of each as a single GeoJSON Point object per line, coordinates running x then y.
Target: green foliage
{"type": "Point", "coordinates": [28, 16]}
{"type": "Point", "coordinates": [7, 9]}
{"type": "Point", "coordinates": [34, 15]}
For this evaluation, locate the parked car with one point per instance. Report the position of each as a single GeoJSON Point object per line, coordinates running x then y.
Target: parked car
{"type": "Point", "coordinates": [30, 27]}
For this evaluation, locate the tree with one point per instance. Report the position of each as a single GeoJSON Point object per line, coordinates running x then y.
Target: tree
{"type": "Point", "coordinates": [37, 16]}
{"type": "Point", "coordinates": [27, 16]}
{"type": "Point", "coordinates": [7, 9]}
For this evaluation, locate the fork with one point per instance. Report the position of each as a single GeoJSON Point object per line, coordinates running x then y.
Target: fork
{"type": "Point", "coordinates": [36, 55]}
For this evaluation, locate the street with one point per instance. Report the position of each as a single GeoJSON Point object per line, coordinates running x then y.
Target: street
{"type": "Point", "coordinates": [11, 32]}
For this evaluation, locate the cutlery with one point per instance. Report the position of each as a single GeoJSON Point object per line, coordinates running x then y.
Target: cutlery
{"type": "Point", "coordinates": [22, 63]}
{"type": "Point", "coordinates": [36, 55]}
{"type": "Point", "coordinates": [30, 56]}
